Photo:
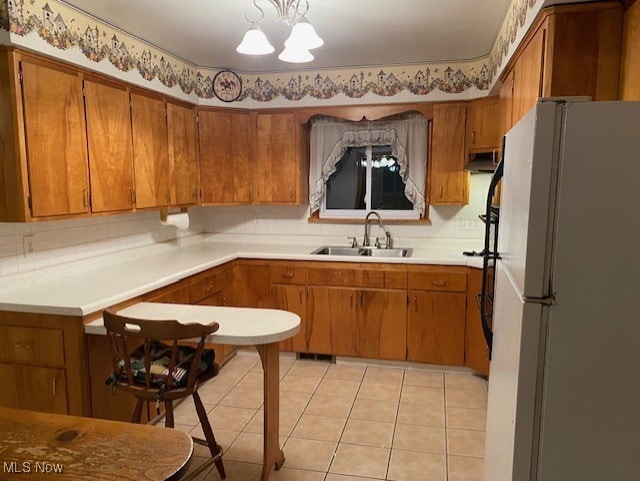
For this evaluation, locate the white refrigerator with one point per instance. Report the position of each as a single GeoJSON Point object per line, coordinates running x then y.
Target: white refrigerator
{"type": "Point", "coordinates": [564, 382]}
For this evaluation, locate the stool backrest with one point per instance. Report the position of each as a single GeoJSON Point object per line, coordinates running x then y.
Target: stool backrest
{"type": "Point", "coordinates": [121, 329]}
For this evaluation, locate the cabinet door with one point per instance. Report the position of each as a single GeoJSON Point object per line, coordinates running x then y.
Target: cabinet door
{"type": "Point", "coordinates": [56, 143]}
{"type": "Point", "coordinates": [110, 147]}
{"type": "Point", "coordinates": [277, 166]}
{"type": "Point", "coordinates": [181, 128]}
{"type": "Point", "coordinates": [331, 321]}
{"type": "Point", "coordinates": [483, 125]}
{"type": "Point", "coordinates": [382, 324]}
{"type": "Point", "coordinates": [506, 104]}
{"type": "Point", "coordinates": [448, 178]}
{"type": "Point", "coordinates": [151, 153]}
{"type": "Point", "coordinates": [226, 157]}
{"type": "Point", "coordinates": [251, 286]}
{"type": "Point", "coordinates": [222, 350]}
{"type": "Point", "coordinates": [292, 298]}
{"type": "Point", "coordinates": [476, 353]}
{"type": "Point", "coordinates": [435, 328]}
{"type": "Point", "coordinates": [528, 75]}
{"type": "Point", "coordinates": [33, 388]}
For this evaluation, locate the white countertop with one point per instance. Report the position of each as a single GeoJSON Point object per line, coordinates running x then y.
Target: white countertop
{"type": "Point", "coordinates": [92, 290]}
{"type": "Point", "coordinates": [242, 326]}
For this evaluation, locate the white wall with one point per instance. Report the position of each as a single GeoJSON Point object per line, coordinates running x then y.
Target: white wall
{"type": "Point", "coordinates": [289, 223]}
{"type": "Point", "coordinates": [58, 242]}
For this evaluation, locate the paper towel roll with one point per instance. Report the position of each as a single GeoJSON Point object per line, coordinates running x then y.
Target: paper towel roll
{"type": "Point", "coordinates": [180, 220]}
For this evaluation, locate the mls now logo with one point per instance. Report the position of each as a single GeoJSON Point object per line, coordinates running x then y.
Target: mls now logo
{"type": "Point", "coordinates": [30, 467]}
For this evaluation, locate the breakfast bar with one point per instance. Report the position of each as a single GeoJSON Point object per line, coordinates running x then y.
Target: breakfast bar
{"type": "Point", "coordinates": [262, 328]}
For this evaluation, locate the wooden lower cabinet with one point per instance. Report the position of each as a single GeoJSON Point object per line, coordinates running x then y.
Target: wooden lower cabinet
{"type": "Point", "coordinates": [435, 327]}
{"type": "Point", "coordinates": [476, 352]}
{"type": "Point", "coordinates": [357, 322]}
{"type": "Point", "coordinates": [331, 321]}
{"type": "Point", "coordinates": [382, 324]}
{"type": "Point", "coordinates": [33, 388]}
{"type": "Point", "coordinates": [294, 299]}
{"type": "Point", "coordinates": [252, 284]}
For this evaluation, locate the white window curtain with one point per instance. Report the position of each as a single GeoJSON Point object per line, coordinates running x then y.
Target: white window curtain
{"type": "Point", "coordinates": [330, 138]}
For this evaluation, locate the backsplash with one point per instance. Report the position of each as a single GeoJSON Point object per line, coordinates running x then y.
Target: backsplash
{"type": "Point", "coordinates": [57, 242]}
{"type": "Point", "coordinates": [289, 224]}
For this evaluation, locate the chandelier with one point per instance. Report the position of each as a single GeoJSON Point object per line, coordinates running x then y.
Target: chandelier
{"type": "Point", "coordinates": [302, 38]}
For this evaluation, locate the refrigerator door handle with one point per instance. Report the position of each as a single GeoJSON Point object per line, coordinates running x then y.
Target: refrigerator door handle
{"type": "Point", "coordinates": [546, 301]}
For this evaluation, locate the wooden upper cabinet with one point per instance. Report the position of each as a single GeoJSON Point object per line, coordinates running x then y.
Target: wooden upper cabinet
{"type": "Point", "coordinates": [506, 104]}
{"type": "Point", "coordinates": [110, 147]}
{"type": "Point", "coordinates": [448, 178]}
{"type": "Point", "coordinates": [181, 129]}
{"type": "Point", "coordinates": [280, 141]}
{"type": "Point", "coordinates": [528, 71]}
{"type": "Point", "coordinates": [151, 153]}
{"type": "Point", "coordinates": [571, 50]}
{"type": "Point", "coordinates": [56, 142]}
{"type": "Point", "coordinates": [226, 156]}
{"type": "Point", "coordinates": [483, 125]}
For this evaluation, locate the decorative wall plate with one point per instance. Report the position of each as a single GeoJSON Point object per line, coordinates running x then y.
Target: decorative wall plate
{"type": "Point", "coordinates": [227, 85]}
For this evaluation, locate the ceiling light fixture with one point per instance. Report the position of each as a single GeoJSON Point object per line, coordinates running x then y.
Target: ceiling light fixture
{"type": "Point", "coordinates": [302, 38]}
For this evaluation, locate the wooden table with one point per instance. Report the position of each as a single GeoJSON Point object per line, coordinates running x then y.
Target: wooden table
{"type": "Point", "coordinates": [262, 328]}
{"type": "Point", "coordinates": [39, 446]}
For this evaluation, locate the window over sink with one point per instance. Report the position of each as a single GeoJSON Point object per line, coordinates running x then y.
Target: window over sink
{"type": "Point", "coordinates": [357, 167]}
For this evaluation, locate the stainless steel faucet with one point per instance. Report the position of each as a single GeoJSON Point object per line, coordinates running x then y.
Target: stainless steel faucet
{"type": "Point", "coordinates": [366, 242]}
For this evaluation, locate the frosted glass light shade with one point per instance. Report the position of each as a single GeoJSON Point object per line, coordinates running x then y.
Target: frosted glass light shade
{"type": "Point", "coordinates": [295, 55]}
{"type": "Point", "coordinates": [303, 35]}
{"type": "Point", "coordinates": [255, 42]}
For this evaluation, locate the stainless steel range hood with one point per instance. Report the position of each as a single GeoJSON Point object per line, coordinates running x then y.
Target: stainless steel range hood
{"type": "Point", "coordinates": [483, 162]}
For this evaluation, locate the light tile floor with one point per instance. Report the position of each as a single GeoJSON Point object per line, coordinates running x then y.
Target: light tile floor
{"type": "Point", "coordinates": [345, 422]}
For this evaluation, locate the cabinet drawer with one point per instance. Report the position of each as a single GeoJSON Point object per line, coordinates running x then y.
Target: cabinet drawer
{"type": "Point", "coordinates": [438, 280]}
{"type": "Point", "coordinates": [288, 274]}
{"type": "Point", "coordinates": [332, 276]}
{"type": "Point", "coordinates": [180, 295]}
{"type": "Point", "coordinates": [395, 280]}
{"type": "Point", "coordinates": [209, 285]}
{"type": "Point", "coordinates": [32, 345]}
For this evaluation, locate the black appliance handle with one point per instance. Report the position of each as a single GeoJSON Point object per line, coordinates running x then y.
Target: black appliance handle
{"type": "Point", "coordinates": [486, 330]}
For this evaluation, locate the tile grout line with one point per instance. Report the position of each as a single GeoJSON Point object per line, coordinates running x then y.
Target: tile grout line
{"type": "Point", "coordinates": [446, 427]}
{"type": "Point", "coordinates": [395, 424]}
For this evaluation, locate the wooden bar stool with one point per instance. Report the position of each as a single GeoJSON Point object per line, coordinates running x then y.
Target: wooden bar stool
{"type": "Point", "coordinates": [161, 372]}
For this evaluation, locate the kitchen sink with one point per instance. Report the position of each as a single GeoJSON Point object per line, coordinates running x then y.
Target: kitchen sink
{"type": "Point", "coordinates": [362, 251]}
{"type": "Point", "coordinates": [404, 252]}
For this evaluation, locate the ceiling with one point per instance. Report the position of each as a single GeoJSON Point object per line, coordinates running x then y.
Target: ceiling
{"type": "Point", "coordinates": [356, 32]}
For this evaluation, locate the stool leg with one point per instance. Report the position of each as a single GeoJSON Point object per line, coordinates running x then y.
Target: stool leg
{"type": "Point", "coordinates": [168, 414]}
{"type": "Point", "coordinates": [216, 450]}
{"type": "Point", "coordinates": [137, 413]}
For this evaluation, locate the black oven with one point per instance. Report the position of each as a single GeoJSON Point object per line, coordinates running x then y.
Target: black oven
{"type": "Point", "coordinates": [491, 219]}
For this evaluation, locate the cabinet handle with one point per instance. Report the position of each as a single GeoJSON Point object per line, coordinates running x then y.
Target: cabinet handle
{"type": "Point", "coordinates": [440, 191]}
{"type": "Point", "coordinates": [133, 195]}
{"type": "Point", "coordinates": [195, 194]}
{"type": "Point", "coordinates": [168, 195]}
{"type": "Point", "coordinates": [439, 283]}
{"type": "Point", "coordinates": [495, 156]}
{"type": "Point", "coordinates": [85, 198]}
{"type": "Point", "coordinates": [300, 297]}
{"type": "Point", "coordinates": [288, 275]}
{"type": "Point", "coordinates": [351, 300]}
{"type": "Point", "coordinates": [473, 137]}
{"type": "Point", "coordinates": [24, 345]}
{"type": "Point", "coordinates": [415, 303]}
{"type": "Point", "coordinates": [251, 193]}
{"type": "Point", "coordinates": [223, 301]}
{"type": "Point", "coordinates": [55, 391]}
{"type": "Point", "coordinates": [361, 298]}
{"type": "Point", "coordinates": [290, 192]}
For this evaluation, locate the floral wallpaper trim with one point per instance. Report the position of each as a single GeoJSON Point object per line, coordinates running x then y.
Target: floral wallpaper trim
{"type": "Point", "coordinates": [64, 28]}
{"type": "Point", "coordinates": [513, 23]}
